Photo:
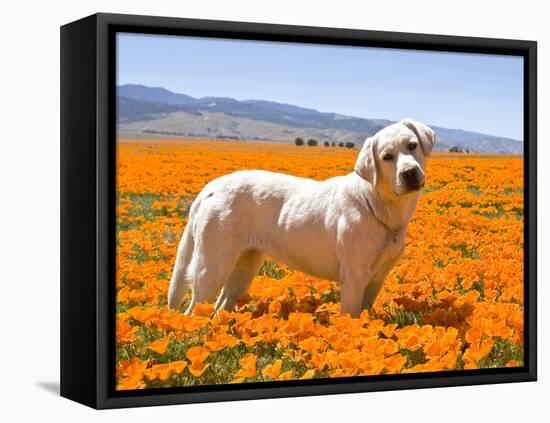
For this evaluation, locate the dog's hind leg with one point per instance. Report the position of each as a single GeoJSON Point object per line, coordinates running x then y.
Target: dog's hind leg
{"type": "Point", "coordinates": [179, 282]}
{"type": "Point", "coordinates": [209, 272]}
{"type": "Point", "coordinates": [246, 268]}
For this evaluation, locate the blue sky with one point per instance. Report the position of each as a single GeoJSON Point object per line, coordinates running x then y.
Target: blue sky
{"type": "Point", "coordinates": [474, 92]}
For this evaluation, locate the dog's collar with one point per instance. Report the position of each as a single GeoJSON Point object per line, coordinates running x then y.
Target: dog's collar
{"type": "Point", "coordinates": [394, 232]}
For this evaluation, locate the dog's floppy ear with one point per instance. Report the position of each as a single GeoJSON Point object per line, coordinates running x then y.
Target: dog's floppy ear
{"type": "Point", "coordinates": [426, 137]}
{"type": "Point", "coordinates": [365, 166]}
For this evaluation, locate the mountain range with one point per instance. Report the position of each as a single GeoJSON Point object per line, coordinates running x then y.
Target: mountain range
{"type": "Point", "coordinates": [155, 112]}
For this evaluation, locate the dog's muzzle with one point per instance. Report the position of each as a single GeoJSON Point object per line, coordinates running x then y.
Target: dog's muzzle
{"type": "Point", "coordinates": [412, 178]}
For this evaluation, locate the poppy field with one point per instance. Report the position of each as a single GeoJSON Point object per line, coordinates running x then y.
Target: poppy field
{"type": "Point", "coordinates": [454, 301]}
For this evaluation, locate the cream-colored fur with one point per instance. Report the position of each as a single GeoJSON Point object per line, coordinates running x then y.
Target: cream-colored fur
{"type": "Point", "coordinates": [348, 228]}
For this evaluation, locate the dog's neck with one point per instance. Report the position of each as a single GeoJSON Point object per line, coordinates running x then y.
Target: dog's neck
{"type": "Point", "coordinates": [392, 212]}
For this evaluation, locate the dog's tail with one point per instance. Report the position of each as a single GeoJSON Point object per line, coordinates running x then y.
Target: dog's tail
{"type": "Point", "coordinates": [180, 281]}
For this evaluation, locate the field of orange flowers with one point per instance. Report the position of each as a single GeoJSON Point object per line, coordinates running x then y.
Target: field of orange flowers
{"type": "Point", "coordinates": [454, 301]}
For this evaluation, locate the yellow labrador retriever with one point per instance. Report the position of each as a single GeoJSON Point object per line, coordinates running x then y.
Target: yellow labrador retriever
{"type": "Point", "coordinates": [348, 228]}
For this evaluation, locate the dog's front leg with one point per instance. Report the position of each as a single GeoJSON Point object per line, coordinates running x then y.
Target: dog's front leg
{"type": "Point", "coordinates": [356, 269]}
{"type": "Point", "coordinates": [377, 281]}
{"type": "Point", "coordinates": [351, 292]}
{"type": "Point", "coordinates": [372, 290]}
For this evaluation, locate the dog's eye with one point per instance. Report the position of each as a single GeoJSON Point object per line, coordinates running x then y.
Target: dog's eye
{"type": "Point", "coordinates": [412, 146]}
{"type": "Point", "coordinates": [387, 157]}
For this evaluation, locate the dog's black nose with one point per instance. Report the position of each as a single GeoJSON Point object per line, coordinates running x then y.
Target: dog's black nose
{"type": "Point", "coordinates": [410, 174]}
{"type": "Point", "coordinates": [412, 178]}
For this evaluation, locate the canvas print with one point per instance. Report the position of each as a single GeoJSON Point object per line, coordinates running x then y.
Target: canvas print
{"type": "Point", "coordinates": [291, 211]}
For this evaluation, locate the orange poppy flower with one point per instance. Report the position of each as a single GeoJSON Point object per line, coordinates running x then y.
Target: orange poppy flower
{"type": "Point", "coordinates": [197, 354]}
{"type": "Point", "coordinates": [160, 346]}
{"type": "Point", "coordinates": [204, 309]}
{"type": "Point", "coordinates": [308, 374]}
{"type": "Point", "coordinates": [248, 366]}
{"type": "Point", "coordinates": [273, 370]}
{"type": "Point", "coordinates": [197, 368]}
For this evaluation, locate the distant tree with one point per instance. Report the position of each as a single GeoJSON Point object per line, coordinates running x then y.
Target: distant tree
{"type": "Point", "coordinates": [311, 142]}
{"type": "Point", "coordinates": [299, 141]}
{"type": "Point", "coordinates": [467, 151]}
{"type": "Point", "coordinates": [327, 144]}
{"type": "Point", "coordinates": [350, 145]}
{"type": "Point", "coordinates": [455, 149]}
{"type": "Point", "coordinates": [340, 144]}
{"type": "Point", "coordinates": [333, 144]}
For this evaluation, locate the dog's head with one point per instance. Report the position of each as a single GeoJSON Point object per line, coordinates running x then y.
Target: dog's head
{"type": "Point", "coordinates": [394, 159]}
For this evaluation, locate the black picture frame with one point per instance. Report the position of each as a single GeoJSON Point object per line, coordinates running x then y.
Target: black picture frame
{"type": "Point", "coordinates": [88, 137]}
